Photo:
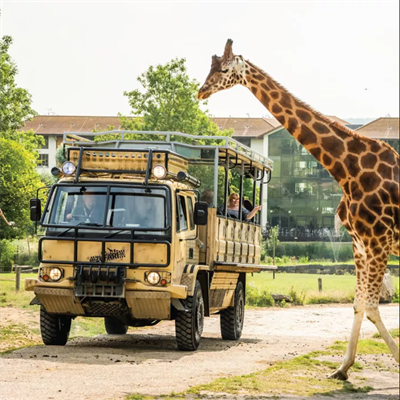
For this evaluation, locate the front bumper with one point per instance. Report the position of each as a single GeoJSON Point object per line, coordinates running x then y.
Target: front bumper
{"type": "Point", "coordinates": [138, 302]}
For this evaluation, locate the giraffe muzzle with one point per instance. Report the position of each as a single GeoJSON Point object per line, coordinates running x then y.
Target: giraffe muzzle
{"type": "Point", "coordinates": [203, 94]}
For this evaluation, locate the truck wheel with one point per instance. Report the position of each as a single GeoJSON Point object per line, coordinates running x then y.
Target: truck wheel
{"type": "Point", "coordinates": [54, 328]}
{"type": "Point", "coordinates": [189, 324]}
{"type": "Point", "coordinates": [232, 318]}
{"type": "Point", "coordinates": [114, 326]}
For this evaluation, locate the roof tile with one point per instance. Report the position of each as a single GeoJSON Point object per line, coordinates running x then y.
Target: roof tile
{"type": "Point", "coordinates": [381, 128]}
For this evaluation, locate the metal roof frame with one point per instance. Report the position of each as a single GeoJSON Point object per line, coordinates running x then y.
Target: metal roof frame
{"type": "Point", "coordinates": [228, 145]}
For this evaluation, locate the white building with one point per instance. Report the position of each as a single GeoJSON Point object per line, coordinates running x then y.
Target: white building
{"type": "Point", "coordinates": [252, 132]}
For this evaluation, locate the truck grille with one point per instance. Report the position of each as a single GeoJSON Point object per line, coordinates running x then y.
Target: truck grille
{"type": "Point", "coordinates": [97, 281]}
{"type": "Point", "coordinates": [101, 309]}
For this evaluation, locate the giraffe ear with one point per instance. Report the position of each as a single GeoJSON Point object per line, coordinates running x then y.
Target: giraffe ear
{"type": "Point", "coordinates": [228, 54]}
{"type": "Point", "coordinates": [215, 61]}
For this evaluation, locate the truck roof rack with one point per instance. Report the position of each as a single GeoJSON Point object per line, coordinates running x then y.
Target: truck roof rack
{"type": "Point", "coordinates": [196, 149]}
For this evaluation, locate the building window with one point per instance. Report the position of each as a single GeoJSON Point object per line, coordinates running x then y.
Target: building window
{"type": "Point", "coordinates": [43, 160]}
{"type": "Point", "coordinates": [245, 141]}
{"type": "Point", "coordinates": [46, 142]}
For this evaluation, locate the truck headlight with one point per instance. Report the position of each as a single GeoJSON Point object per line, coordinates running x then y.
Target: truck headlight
{"type": "Point", "coordinates": [68, 168]}
{"type": "Point", "coordinates": [55, 274]}
{"type": "Point", "coordinates": [153, 278]}
{"type": "Point", "coordinates": [159, 171]}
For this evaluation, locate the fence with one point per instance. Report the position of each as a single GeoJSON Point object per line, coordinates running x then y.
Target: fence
{"type": "Point", "coordinates": [336, 269]}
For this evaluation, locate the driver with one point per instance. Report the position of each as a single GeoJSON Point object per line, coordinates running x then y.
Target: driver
{"type": "Point", "coordinates": [86, 210]}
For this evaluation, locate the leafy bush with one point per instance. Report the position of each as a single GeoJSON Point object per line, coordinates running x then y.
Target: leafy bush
{"type": "Point", "coordinates": [313, 251]}
{"type": "Point", "coordinates": [299, 299]}
{"type": "Point", "coordinates": [26, 259]}
{"type": "Point", "coordinates": [396, 296]}
{"type": "Point", "coordinates": [283, 304]}
{"type": "Point", "coordinates": [263, 254]}
{"type": "Point", "coordinates": [257, 298]}
{"type": "Point", "coordinates": [7, 254]}
{"type": "Point", "coordinates": [268, 260]}
{"type": "Point", "coordinates": [329, 298]}
{"type": "Point", "coordinates": [286, 260]}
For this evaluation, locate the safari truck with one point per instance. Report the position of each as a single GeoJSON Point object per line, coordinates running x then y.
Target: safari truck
{"type": "Point", "coordinates": [127, 238]}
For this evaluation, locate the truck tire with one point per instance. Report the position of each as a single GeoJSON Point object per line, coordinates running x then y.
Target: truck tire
{"type": "Point", "coordinates": [232, 318]}
{"type": "Point", "coordinates": [54, 328]}
{"type": "Point", "coordinates": [114, 326]}
{"type": "Point", "coordinates": [189, 324]}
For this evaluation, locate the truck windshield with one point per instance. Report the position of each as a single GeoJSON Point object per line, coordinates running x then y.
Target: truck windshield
{"type": "Point", "coordinates": [123, 209]}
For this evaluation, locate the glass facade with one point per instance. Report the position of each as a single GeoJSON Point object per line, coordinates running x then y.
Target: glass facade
{"type": "Point", "coordinates": [302, 195]}
{"type": "Point", "coordinates": [394, 144]}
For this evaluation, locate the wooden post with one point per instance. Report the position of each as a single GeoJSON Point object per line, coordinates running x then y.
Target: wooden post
{"type": "Point", "coordinates": [273, 251]}
{"type": "Point", "coordinates": [273, 273]}
{"type": "Point", "coordinates": [320, 284]}
{"type": "Point", "coordinates": [17, 278]}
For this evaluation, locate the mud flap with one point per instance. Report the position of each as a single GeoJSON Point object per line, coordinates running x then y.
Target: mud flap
{"type": "Point", "coordinates": [178, 305]}
{"type": "Point", "coordinates": [35, 302]}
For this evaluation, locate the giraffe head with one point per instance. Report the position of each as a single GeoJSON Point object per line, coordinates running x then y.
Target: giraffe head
{"type": "Point", "coordinates": [226, 71]}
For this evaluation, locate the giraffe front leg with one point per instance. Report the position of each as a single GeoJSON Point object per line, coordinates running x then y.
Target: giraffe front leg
{"type": "Point", "coordinates": [359, 310]}
{"type": "Point", "coordinates": [341, 372]}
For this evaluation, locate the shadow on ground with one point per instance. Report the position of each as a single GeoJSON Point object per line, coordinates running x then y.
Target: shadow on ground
{"type": "Point", "coordinates": [130, 348]}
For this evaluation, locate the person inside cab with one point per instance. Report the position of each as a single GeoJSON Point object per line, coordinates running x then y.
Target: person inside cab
{"type": "Point", "coordinates": [87, 210]}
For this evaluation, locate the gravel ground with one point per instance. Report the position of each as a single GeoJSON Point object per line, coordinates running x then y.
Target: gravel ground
{"type": "Point", "coordinates": [147, 362]}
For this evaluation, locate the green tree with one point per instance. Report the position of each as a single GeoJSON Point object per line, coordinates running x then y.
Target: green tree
{"type": "Point", "coordinates": [60, 159]}
{"type": "Point", "coordinates": [15, 102]}
{"type": "Point", "coordinates": [271, 242]}
{"type": "Point", "coordinates": [19, 180]}
{"type": "Point", "coordinates": [18, 157]}
{"type": "Point", "coordinates": [168, 102]}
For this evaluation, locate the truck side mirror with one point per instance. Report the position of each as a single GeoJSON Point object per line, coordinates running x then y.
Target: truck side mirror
{"type": "Point", "coordinates": [201, 213]}
{"type": "Point", "coordinates": [36, 209]}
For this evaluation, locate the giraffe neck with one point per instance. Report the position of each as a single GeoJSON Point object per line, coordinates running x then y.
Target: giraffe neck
{"type": "Point", "coordinates": [322, 137]}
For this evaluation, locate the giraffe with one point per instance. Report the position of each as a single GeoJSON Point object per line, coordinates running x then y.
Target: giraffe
{"type": "Point", "coordinates": [367, 170]}
{"type": "Point", "coordinates": [8, 223]}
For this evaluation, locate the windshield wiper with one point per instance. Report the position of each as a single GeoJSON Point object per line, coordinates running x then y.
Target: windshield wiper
{"type": "Point", "coordinates": [115, 233]}
{"type": "Point", "coordinates": [89, 224]}
{"type": "Point", "coordinates": [62, 233]}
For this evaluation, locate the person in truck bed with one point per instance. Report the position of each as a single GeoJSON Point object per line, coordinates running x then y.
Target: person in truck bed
{"type": "Point", "coordinates": [233, 208]}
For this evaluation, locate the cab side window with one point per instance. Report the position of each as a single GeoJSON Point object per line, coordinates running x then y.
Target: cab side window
{"type": "Point", "coordinates": [190, 212]}
{"type": "Point", "coordinates": [182, 214]}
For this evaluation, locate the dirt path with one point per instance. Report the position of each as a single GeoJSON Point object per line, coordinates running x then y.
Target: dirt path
{"type": "Point", "coordinates": [147, 362]}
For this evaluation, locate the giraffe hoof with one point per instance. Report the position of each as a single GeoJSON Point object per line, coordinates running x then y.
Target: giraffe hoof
{"type": "Point", "coordinates": [339, 375]}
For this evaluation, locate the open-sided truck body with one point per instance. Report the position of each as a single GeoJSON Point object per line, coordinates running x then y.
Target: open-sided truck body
{"type": "Point", "coordinates": [149, 250]}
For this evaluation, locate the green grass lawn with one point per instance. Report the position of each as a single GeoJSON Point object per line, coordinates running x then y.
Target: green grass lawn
{"type": "Point", "coordinates": [284, 281]}
{"type": "Point", "coordinates": [335, 288]}
{"type": "Point", "coordinates": [289, 262]}
{"type": "Point", "coordinates": [9, 297]}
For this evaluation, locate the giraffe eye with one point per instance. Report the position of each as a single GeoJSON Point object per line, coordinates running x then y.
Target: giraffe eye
{"type": "Point", "coordinates": [224, 71]}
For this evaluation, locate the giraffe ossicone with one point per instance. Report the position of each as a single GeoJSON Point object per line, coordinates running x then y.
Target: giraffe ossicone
{"type": "Point", "coordinates": [366, 169]}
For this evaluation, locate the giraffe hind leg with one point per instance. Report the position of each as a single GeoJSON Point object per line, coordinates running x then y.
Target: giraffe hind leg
{"type": "Point", "coordinates": [373, 314]}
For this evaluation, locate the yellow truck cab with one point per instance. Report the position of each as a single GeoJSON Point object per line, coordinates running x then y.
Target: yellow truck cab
{"type": "Point", "coordinates": [128, 239]}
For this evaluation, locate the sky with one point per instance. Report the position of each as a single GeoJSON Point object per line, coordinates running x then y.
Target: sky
{"type": "Point", "coordinates": [78, 57]}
